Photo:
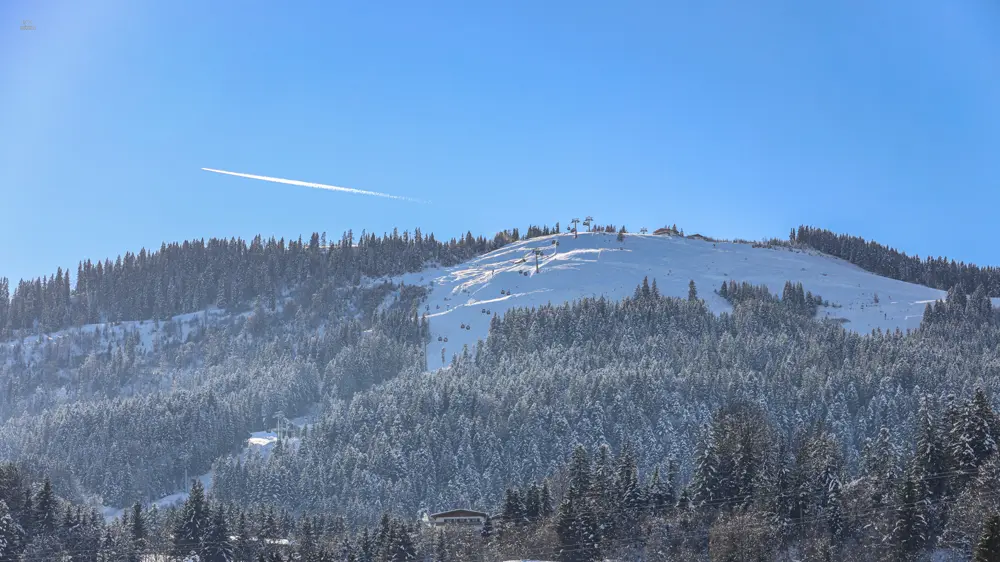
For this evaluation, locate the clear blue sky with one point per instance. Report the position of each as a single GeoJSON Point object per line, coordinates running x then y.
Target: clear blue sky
{"type": "Point", "coordinates": [735, 119]}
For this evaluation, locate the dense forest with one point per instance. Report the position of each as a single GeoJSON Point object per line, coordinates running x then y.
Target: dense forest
{"type": "Point", "coordinates": [641, 429]}
{"type": "Point", "coordinates": [196, 274]}
{"type": "Point", "coordinates": [753, 496]}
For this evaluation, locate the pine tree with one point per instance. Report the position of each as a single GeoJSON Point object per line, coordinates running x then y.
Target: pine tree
{"type": "Point", "coordinates": [366, 547]}
{"type": "Point", "coordinates": [579, 473]}
{"type": "Point", "coordinates": [660, 495]}
{"type": "Point", "coordinates": [403, 547]}
{"type": "Point", "coordinates": [440, 548]}
{"type": "Point", "coordinates": [706, 478]}
{"type": "Point", "coordinates": [347, 550]}
{"type": "Point", "coordinates": [629, 498]}
{"type": "Point", "coordinates": [45, 509]}
{"type": "Point", "coordinates": [602, 479]}
{"type": "Point", "coordinates": [988, 548]}
{"type": "Point", "coordinates": [546, 501]}
{"type": "Point", "coordinates": [533, 503]}
{"type": "Point", "coordinates": [137, 533]}
{"type": "Point", "coordinates": [193, 526]}
{"type": "Point", "coordinates": [487, 531]}
{"type": "Point", "coordinates": [973, 436]}
{"type": "Point", "coordinates": [928, 314]}
{"type": "Point", "coordinates": [577, 530]}
{"type": "Point", "coordinates": [513, 507]}
{"type": "Point", "coordinates": [692, 291]}
{"type": "Point", "coordinates": [218, 546]}
{"type": "Point", "coordinates": [11, 534]}
{"type": "Point", "coordinates": [910, 531]}
{"type": "Point", "coordinates": [879, 467]}
{"type": "Point", "coordinates": [306, 539]}
{"type": "Point", "coordinates": [930, 459]}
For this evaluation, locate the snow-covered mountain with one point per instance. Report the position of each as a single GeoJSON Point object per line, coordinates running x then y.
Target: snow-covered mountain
{"type": "Point", "coordinates": [464, 297]}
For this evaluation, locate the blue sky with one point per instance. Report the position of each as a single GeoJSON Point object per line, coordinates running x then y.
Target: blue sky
{"type": "Point", "coordinates": [735, 119]}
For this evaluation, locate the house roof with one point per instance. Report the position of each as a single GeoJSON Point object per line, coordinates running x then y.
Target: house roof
{"type": "Point", "coordinates": [459, 513]}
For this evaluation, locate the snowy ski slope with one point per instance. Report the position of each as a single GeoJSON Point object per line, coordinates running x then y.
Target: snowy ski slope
{"type": "Point", "coordinates": [597, 264]}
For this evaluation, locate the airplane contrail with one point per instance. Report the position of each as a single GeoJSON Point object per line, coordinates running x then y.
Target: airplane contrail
{"type": "Point", "coordinates": [314, 185]}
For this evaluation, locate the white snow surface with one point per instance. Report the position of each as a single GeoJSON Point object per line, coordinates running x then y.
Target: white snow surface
{"type": "Point", "coordinates": [596, 264]}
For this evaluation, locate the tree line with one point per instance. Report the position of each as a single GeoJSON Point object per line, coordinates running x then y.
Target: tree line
{"type": "Point", "coordinates": [197, 274]}
{"type": "Point", "coordinates": [938, 273]}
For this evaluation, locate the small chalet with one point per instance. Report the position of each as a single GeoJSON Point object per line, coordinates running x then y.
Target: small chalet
{"type": "Point", "coordinates": [455, 517]}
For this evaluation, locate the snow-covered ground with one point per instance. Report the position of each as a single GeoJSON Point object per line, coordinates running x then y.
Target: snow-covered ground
{"type": "Point", "coordinates": [170, 500]}
{"type": "Point", "coordinates": [597, 264]}
{"type": "Point", "coordinates": [150, 332]}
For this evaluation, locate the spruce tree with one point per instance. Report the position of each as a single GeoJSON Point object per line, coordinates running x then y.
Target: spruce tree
{"type": "Point", "coordinates": [218, 546]}
{"type": "Point", "coordinates": [577, 530]}
{"type": "Point", "coordinates": [660, 496]}
{"type": "Point", "coordinates": [930, 460]}
{"type": "Point", "coordinates": [533, 503]}
{"type": "Point", "coordinates": [11, 534]}
{"type": "Point", "coordinates": [241, 546]}
{"type": "Point", "coordinates": [579, 473]}
{"type": "Point", "coordinates": [910, 531]}
{"type": "Point", "coordinates": [137, 533]}
{"type": "Point", "coordinates": [403, 548]}
{"type": "Point", "coordinates": [628, 494]}
{"type": "Point", "coordinates": [546, 501]}
{"type": "Point", "coordinates": [513, 507]}
{"type": "Point", "coordinates": [440, 548]}
{"type": "Point", "coordinates": [705, 480]}
{"type": "Point", "coordinates": [45, 509]}
{"type": "Point", "coordinates": [988, 548]}
{"type": "Point", "coordinates": [193, 525]}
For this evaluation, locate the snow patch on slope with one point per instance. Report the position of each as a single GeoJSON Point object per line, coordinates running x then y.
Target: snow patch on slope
{"type": "Point", "coordinates": [596, 264]}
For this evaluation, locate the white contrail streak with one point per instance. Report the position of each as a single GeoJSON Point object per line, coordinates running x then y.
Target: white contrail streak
{"type": "Point", "coordinates": [314, 185]}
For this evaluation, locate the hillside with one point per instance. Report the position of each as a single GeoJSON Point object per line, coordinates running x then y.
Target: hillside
{"type": "Point", "coordinates": [597, 264]}
{"type": "Point", "coordinates": [574, 353]}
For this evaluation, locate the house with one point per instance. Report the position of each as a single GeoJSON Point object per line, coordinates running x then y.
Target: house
{"type": "Point", "coordinates": [667, 231]}
{"type": "Point", "coordinates": [455, 517]}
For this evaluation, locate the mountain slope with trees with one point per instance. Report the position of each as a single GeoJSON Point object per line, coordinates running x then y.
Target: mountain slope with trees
{"type": "Point", "coordinates": [673, 420]}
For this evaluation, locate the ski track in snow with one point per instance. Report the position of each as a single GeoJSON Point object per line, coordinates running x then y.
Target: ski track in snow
{"type": "Point", "coordinates": [596, 264]}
